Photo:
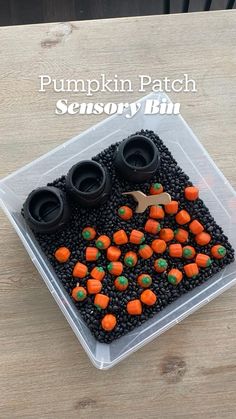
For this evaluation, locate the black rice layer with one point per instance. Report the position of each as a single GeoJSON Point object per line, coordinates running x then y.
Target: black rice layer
{"type": "Point", "coordinates": [106, 221]}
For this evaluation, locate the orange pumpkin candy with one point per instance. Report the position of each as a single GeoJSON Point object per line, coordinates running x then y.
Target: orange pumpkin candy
{"type": "Point", "coordinates": [160, 265]}
{"type": "Point", "coordinates": [88, 233]}
{"type": "Point", "coordinates": [196, 227]}
{"type": "Point", "coordinates": [80, 270]}
{"type": "Point", "coordinates": [144, 280]}
{"type": "Point", "coordinates": [125, 212]}
{"type": "Point", "coordinates": [203, 238]}
{"type": "Point", "coordinates": [152, 226]}
{"type": "Point", "coordinates": [103, 242]}
{"type": "Point", "coordinates": [121, 283]}
{"type": "Point", "coordinates": [159, 246]}
{"type": "Point", "coordinates": [148, 297]}
{"type": "Point", "coordinates": [181, 235]}
{"type": "Point", "coordinates": [218, 251]}
{"type": "Point", "coordinates": [203, 260]}
{"type": "Point", "coordinates": [156, 212]}
{"type": "Point", "coordinates": [145, 251]}
{"type": "Point", "coordinates": [174, 276]}
{"type": "Point", "coordinates": [101, 301]}
{"type": "Point", "coordinates": [189, 252]}
{"type": "Point", "coordinates": [120, 237]}
{"type": "Point", "coordinates": [156, 189]}
{"type": "Point", "coordinates": [92, 254]}
{"type": "Point", "coordinates": [136, 237]}
{"type": "Point", "coordinates": [115, 268]}
{"type": "Point", "coordinates": [108, 322]}
{"type": "Point", "coordinates": [134, 307]}
{"type": "Point", "coordinates": [182, 217]}
{"type": "Point", "coordinates": [175, 250]}
{"type": "Point", "coordinates": [62, 254]}
{"type": "Point", "coordinates": [130, 259]}
{"type": "Point", "coordinates": [113, 253]}
{"type": "Point", "coordinates": [191, 193]}
{"type": "Point", "coordinates": [166, 234]}
{"type": "Point", "coordinates": [94, 286]}
{"type": "Point", "coordinates": [172, 208]}
{"type": "Point", "coordinates": [98, 273]}
{"type": "Point", "coordinates": [79, 293]}
{"type": "Point", "coordinates": [191, 270]}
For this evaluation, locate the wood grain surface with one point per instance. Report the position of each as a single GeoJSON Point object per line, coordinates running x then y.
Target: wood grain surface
{"type": "Point", "coordinates": [190, 371]}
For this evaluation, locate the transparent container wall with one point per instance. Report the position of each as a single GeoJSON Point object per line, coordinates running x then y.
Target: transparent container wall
{"type": "Point", "coordinates": [215, 190]}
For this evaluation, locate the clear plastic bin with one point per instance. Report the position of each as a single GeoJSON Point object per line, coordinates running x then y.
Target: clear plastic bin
{"type": "Point", "coordinates": [215, 190]}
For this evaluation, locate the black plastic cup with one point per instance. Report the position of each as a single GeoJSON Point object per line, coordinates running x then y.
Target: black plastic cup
{"type": "Point", "coordinates": [46, 209]}
{"type": "Point", "coordinates": [137, 158]}
{"type": "Point", "coordinates": [88, 183]}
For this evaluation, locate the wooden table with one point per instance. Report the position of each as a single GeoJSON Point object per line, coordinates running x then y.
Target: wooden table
{"type": "Point", "coordinates": [190, 371]}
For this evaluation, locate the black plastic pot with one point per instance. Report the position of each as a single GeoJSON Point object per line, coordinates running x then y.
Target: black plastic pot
{"type": "Point", "coordinates": [88, 183]}
{"type": "Point", "coordinates": [46, 210]}
{"type": "Point", "coordinates": [137, 158]}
